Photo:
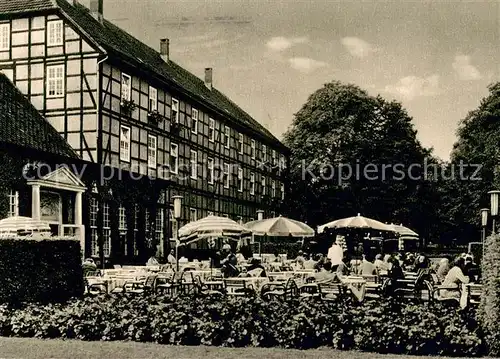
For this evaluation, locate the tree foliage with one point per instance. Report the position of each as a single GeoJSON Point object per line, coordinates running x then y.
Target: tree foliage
{"type": "Point", "coordinates": [477, 145]}
{"type": "Point", "coordinates": [341, 127]}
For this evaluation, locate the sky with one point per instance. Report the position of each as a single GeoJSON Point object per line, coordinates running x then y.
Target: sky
{"type": "Point", "coordinates": [435, 57]}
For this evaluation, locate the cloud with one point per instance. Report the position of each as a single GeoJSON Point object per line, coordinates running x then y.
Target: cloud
{"type": "Point", "coordinates": [464, 69]}
{"type": "Point", "coordinates": [281, 43]}
{"type": "Point", "coordinates": [411, 87]}
{"type": "Point", "coordinates": [357, 47]}
{"type": "Point", "coordinates": [306, 64]}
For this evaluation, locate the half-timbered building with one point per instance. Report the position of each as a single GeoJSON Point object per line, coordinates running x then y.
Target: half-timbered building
{"type": "Point", "coordinates": [146, 128]}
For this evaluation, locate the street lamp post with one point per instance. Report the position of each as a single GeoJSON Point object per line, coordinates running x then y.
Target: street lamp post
{"type": "Point", "coordinates": [178, 216]}
{"type": "Point", "coordinates": [484, 223]}
{"type": "Point", "coordinates": [494, 207]}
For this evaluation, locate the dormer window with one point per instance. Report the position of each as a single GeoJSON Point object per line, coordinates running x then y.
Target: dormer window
{"type": "Point", "coordinates": [55, 33]}
{"type": "Point", "coordinates": [126, 87]}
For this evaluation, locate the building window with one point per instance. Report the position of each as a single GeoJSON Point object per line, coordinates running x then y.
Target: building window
{"type": "Point", "coordinates": [194, 121]}
{"type": "Point", "coordinates": [240, 179]}
{"type": "Point", "coordinates": [211, 170]}
{"type": "Point", "coordinates": [106, 230]}
{"type": "Point", "coordinates": [194, 164]}
{"type": "Point", "coordinates": [13, 204]}
{"type": "Point", "coordinates": [122, 226]}
{"type": "Point", "coordinates": [153, 99]}
{"type": "Point", "coordinates": [136, 228]}
{"type": "Point", "coordinates": [125, 143]}
{"type": "Point", "coordinates": [273, 189]}
{"type": "Point", "coordinates": [211, 129]}
{"type": "Point", "coordinates": [282, 163]}
{"type": "Point", "coordinates": [192, 215]}
{"type": "Point", "coordinates": [252, 184]}
{"type": "Point", "coordinates": [175, 111]}
{"type": "Point", "coordinates": [159, 226]}
{"type": "Point", "coordinates": [146, 224]}
{"type": "Point", "coordinates": [282, 191]}
{"type": "Point", "coordinates": [263, 184]}
{"type": "Point", "coordinates": [264, 153]}
{"type": "Point", "coordinates": [4, 37]}
{"type": "Point", "coordinates": [94, 207]}
{"type": "Point", "coordinates": [55, 81]}
{"type": "Point", "coordinates": [122, 219]}
{"type": "Point", "coordinates": [240, 143]}
{"type": "Point", "coordinates": [152, 153]}
{"type": "Point", "coordinates": [174, 158]}
{"type": "Point", "coordinates": [55, 33]}
{"type": "Point", "coordinates": [226, 136]}
{"type": "Point", "coordinates": [226, 175]}
{"type": "Point", "coordinates": [126, 87]}
{"type": "Point", "coordinates": [252, 149]}
{"type": "Point", "coordinates": [275, 162]}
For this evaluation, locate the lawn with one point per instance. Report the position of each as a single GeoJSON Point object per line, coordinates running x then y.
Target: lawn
{"type": "Point", "coordinates": [20, 348]}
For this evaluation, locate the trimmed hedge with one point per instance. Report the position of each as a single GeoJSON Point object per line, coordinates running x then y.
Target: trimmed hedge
{"type": "Point", "coordinates": [45, 271]}
{"type": "Point", "coordinates": [375, 326]}
{"type": "Point", "coordinates": [490, 300]}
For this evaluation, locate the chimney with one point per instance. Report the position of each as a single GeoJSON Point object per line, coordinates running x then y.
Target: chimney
{"type": "Point", "coordinates": [165, 49]}
{"type": "Point", "coordinates": [208, 78]}
{"type": "Point", "coordinates": [260, 215]}
{"type": "Point", "coordinates": [96, 9]}
{"type": "Point", "coordinates": [74, 2]}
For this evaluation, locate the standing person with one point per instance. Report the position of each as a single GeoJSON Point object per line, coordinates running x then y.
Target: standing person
{"type": "Point", "coordinates": [335, 254]}
{"type": "Point", "coordinates": [171, 257]}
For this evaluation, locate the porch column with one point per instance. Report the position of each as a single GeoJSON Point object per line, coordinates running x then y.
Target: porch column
{"type": "Point", "coordinates": [78, 209]}
{"type": "Point", "coordinates": [79, 221]}
{"type": "Point", "coordinates": [35, 201]}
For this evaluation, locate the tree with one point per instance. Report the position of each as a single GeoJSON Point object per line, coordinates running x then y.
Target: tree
{"type": "Point", "coordinates": [477, 149]}
{"type": "Point", "coordinates": [354, 153]}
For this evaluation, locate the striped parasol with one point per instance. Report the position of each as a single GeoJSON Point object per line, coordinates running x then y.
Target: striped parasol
{"type": "Point", "coordinates": [17, 224]}
{"type": "Point", "coordinates": [211, 226]}
{"type": "Point", "coordinates": [280, 226]}
{"type": "Point", "coordinates": [356, 222]}
{"type": "Point", "coordinates": [404, 232]}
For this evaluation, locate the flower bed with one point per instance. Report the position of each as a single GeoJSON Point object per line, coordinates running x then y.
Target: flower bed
{"type": "Point", "coordinates": [382, 327]}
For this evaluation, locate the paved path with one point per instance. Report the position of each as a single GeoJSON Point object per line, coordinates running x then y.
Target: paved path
{"type": "Point", "coordinates": [18, 348]}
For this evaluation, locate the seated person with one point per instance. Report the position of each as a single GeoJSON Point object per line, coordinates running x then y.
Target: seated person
{"type": "Point", "coordinates": [454, 278]}
{"type": "Point", "coordinates": [344, 268]}
{"type": "Point", "coordinates": [325, 274]}
{"type": "Point", "coordinates": [300, 260]}
{"type": "Point", "coordinates": [244, 273]}
{"type": "Point", "coordinates": [152, 261]}
{"type": "Point", "coordinates": [367, 267]}
{"type": "Point", "coordinates": [309, 263]}
{"type": "Point", "coordinates": [380, 264]}
{"type": "Point", "coordinates": [240, 257]}
{"type": "Point", "coordinates": [256, 269]}
{"type": "Point", "coordinates": [88, 266]}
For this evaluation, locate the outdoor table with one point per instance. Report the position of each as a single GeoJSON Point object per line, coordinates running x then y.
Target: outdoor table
{"type": "Point", "coordinates": [356, 285]}
{"type": "Point", "coordinates": [255, 282]}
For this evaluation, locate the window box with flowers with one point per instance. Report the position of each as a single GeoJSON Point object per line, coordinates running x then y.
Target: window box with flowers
{"type": "Point", "coordinates": [175, 127]}
{"type": "Point", "coordinates": [154, 117]}
{"type": "Point", "coordinates": [128, 106]}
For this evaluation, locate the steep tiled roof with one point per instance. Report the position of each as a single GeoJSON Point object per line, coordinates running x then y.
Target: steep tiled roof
{"type": "Point", "coordinates": [14, 6]}
{"type": "Point", "coordinates": [22, 125]}
{"type": "Point", "coordinates": [119, 43]}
